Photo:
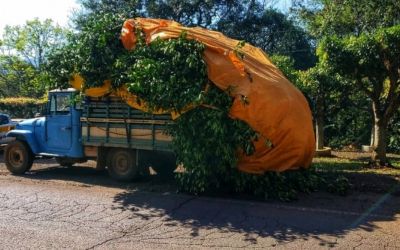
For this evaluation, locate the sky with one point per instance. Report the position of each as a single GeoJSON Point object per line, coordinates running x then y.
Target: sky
{"type": "Point", "coordinates": [17, 12]}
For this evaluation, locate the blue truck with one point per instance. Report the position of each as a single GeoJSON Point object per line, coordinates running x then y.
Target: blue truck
{"type": "Point", "coordinates": [123, 140]}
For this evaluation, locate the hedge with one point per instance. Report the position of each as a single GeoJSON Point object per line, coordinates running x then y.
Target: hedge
{"type": "Point", "coordinates": [22, 107]}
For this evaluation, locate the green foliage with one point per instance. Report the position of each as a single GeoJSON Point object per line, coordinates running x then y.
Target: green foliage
{"type": "Point", "coordinates": [394, 131]}
{"type": "Point", "coordinates": [258, 23]}
{"type": "Point", "coordinates": [349, 124]}
{"type": "Point", "coordinates": [286, 65]}
{"type": "Point", "coordinates": [17, 76]}
{"type": "Point", "coordinates": [194, 13]}
{"type": "Point", "coordinates": [33, 41]}
{"type": "Point", "coordinates": [324, 88]}
{"type": "Point", "coordinates": [344, 17]}
{"type": "Point", "coordinates": [90, 8]}
{"type": "Point", "coordinates": [371, 61]}
{"type": "Point", "coordinates": [62, 64]}
{"type": "Point", "coordinates": [359, 40]}
{"type": "Point", "coordinates": [167, 74]}
{"type": "Point", "coordinates": [23, 54]}
{"type": "Point", "coordinates": [332, 97]}
{"type": "Point", "coordinates": [98, 47]}
{"type": "Point", "coordinates": [285, 186]}
{"type": "Point", "coordinates": [340, 185]}
{"type": "Point", "coordinates": [207, 142]}
{"type": "Point", "coordinates": [270, 30]}
{"type": "Point", "coordinates": [170, 75]}
{"type": "Point", "coordinates": [90, 53]}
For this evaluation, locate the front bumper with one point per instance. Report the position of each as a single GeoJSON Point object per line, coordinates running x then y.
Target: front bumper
{"type": "Point", "coordinates": [4, 129]}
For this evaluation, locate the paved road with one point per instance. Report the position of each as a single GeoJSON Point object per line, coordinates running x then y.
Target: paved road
{"type": "Point", "coordinates": [81, 209]}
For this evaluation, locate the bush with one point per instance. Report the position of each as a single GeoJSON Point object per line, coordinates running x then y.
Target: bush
{"type": "Point", "coordinates": [283, 186]}
{"type": "Point", "coordinates": [21, 107]}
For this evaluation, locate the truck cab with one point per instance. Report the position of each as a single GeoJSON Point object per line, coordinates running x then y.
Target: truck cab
{"type": "Point", "coordinates": [118, 137]}
{"type": "Point", "coordinates": [56, 134]}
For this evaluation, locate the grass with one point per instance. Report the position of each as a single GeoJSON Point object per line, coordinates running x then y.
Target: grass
{"type": "Point", "coordinates": [354, 162]}
{"type": "Point", "coordinates": [354, 166]}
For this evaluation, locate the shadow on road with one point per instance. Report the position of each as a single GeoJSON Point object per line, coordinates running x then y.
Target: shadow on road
{"type": "Point", "coordinates": [317, 216]}
{"type": "Point", "coordinates": [85, 174]}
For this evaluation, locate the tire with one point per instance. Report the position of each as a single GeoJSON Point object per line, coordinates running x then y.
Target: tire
{"type": "Point", "coordinates": [18, 157]}
{"type": "Point", "coordinates": [121, 164]}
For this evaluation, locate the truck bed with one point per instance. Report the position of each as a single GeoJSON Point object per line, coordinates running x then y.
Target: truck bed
{"type": "Point", "coordinates": [110, 122]}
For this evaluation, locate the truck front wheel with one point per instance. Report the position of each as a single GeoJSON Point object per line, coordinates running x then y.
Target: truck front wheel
{"type": "Point", "coordinates": [121, 164]}
{"type": "Point", "coordinates": [18, 157]}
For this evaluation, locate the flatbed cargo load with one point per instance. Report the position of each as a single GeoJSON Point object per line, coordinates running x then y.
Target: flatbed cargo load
{"type": "Point", "coordinates": [110, 122]}
{"type": "Point", "coordinates": [263, 97]}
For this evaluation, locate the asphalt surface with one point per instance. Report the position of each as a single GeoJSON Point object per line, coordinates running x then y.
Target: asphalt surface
{"type": "Point", "coordinates": [79, 208]}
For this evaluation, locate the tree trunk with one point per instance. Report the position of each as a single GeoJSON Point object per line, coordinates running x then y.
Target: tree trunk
{"type": "Point", "coordinates": [379, 148]}
{"type": "Point", "coordinates": [372, 144]}
{"type": "Point", "coordinates": [379, 142]}
{"type": "Point", "coordinates": [372, 136]}
{"type": "Point", "coordinates": [319, 129]}
{"type": "Point", "coordinates": [319, 124]}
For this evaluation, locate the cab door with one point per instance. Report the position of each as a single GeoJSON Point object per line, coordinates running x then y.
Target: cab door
{"type": "Point", "coordinates": [59, 123]}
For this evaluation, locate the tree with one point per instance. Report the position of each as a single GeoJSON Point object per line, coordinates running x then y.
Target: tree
{"type": "Point", "coordinates": [347, 17]}
{"type": "Point", "coordinates": [372, 61]}
{"type": "Point", "coordinates": [343, 18]}
{"type": "Point", "coordinates": [23, 55]}
{"type": "Point", "coordinates": [92, 9]}
{"type": "Point", "coordinates": [253, 21]}
{"type": "Point", "coordinates": [16, 76]}
{"type": "Point", "coordinates": [190, 13]}
{"type": "Point", "coordinates": [286, 65]}
{"type": "Point", "coordinates": [273, 32]}
{"type": "Point", "coordinates": [323, 88]}
{"type": "Point", "coordinates": [33, 41]}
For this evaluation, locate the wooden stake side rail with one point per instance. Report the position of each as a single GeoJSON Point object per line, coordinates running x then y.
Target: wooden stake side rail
{"type": "Point", "coordinates": [110, 122]}
{"type": "Point", "coordinates": [131, 121]}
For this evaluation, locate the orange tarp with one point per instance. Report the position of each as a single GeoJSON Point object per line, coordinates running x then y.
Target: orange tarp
{"type": "Point", "coordinates": [273, 107]}
{"type": "Point", "coordinates": [263, 97]}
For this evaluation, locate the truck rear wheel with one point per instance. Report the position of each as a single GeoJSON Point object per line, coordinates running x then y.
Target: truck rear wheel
{"type": "Point", "coordinates": [18, 157]}
{"type": "Point", "coordinates": [121, 164]}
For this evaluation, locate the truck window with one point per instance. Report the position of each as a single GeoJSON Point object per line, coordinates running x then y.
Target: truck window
{"type": "Point", "coordinates": [59, 104]}
{"type": "Point", "coordinates": [63, 103]}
